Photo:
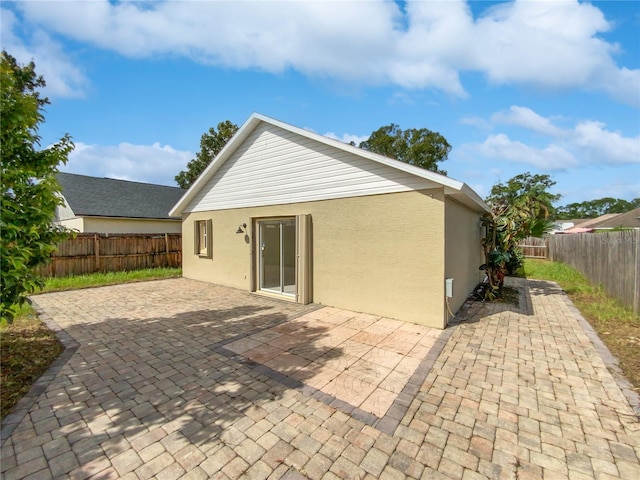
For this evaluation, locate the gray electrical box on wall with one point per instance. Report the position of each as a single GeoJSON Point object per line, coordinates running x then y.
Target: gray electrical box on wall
{"type": "Point", "coordinates": [448, 287]}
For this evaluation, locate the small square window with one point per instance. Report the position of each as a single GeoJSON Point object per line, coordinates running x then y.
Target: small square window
{"type": "Point", "coordinates": [203, 238]}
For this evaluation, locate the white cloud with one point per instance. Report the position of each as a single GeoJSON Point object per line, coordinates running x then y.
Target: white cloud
{"type": "Point", "coordinates": [476, 121]}
{"type": "Point", "coordinates": [587, 143]}
{"type": "Point", "coordinates": [599, 145]}
{"type": "Point", "coordinates": [347, 137]}
{"type": "Point", "coordinates": [155, 163]}
{"type": "Point", "coordinates": [552, 42]}
{"type": "Point", "coordinates": [547, 44]}
{"type": "Point", "coordinates": [527, 118]}
{"type": "Point", "coordinates": [549, 158]}
{"type": "Point", "coordinates": [63, 77]}
{"type": "Point", "coordinates": [592, 188]}
{"type": "Point", "coordinates": [617, 189]}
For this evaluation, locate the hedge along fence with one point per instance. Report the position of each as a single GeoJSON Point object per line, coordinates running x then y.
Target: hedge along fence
{"type": "Point", "coordinates": [609, 259]}
{"type": "Point", "coordinates": [90, 253]}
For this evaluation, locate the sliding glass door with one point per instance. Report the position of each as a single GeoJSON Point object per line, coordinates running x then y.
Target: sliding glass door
{"type": "Point", "coordinates": [277, 244]}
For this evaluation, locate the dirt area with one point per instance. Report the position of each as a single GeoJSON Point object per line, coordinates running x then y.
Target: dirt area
{"type": "Point", "coordinates": [28, 348]}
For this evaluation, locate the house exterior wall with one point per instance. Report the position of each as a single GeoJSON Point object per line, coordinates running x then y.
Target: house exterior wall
{"type": "Point", "coordinates": [121, 225]}
{"type": "Point", "coordinates": [463, 250]}
{"type": "Point", "coordinates": [380, 254]}
{"type": "Point", "coordinates": [76, 224]}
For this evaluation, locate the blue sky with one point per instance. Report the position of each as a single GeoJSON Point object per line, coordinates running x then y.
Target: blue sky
{"type": "Point", "coordinates": [547, 87]}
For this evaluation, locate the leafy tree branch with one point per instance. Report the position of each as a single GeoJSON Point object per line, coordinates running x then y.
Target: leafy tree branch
{"type": "Point", "coordinates": [420, 147]}
{"type": "Point", "coordinates": [30, 191]}
{"type": "Point", "coordinates": [211, 143]}
{"type": "Point", "coordinates": [521, 207]}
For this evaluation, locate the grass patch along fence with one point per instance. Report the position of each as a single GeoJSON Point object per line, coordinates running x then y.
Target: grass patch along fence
{"type": "Point", "coordinates": [90, 253]}
{"type": "Point", "coordinates": [616, 324]}
{"type": "Point", "coordinates": [610, 259]}
{"type": "Point", "coordinates": [100, 279]}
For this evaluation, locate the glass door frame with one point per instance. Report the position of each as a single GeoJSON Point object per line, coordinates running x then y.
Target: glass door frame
{"type": "Point", "coordinates": [260, 270]}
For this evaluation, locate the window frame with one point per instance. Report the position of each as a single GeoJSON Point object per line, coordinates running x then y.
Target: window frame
{"type": "Point", "coordinates": [203, 232]}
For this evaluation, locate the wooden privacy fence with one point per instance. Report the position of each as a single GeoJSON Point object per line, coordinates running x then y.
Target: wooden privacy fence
{"type": "Point", "coordinates": [89, 253]}
{"type": "Point", "coordinates": [533, 247]}
{"type": "Point", "coordinates": [610, 259]}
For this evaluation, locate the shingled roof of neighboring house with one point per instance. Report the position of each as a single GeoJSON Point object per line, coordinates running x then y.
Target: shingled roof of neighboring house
{"type": "Point", "coordinates": [629, 219]}
{"type": "Point", "coordinates": [108, 197]}
{"type": "Point", "coordinates": [595, 222]}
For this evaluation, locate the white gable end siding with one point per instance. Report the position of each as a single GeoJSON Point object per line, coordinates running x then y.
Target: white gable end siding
{"type": "Point", "coordinates": [64, 212]}
{"type": "Point", "coordinates": [275, 166]}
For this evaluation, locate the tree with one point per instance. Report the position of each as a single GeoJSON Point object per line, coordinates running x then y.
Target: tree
{"type": "Point", "coordinates": [30, 191]}
{"type": "Point", "coordinates": [520, 208]}
{"type": "Point", "coordinates": [419, 147]}
{"type": "Point", "coordinates": [211, 143]}
{"type": "Point", "coordinates": [595, 208]}
{"type": "Point", "coordinates": [533, 189]}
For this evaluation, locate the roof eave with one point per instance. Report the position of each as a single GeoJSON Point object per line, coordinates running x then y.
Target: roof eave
{"type": "Point", "coordinates": [469, 197]}
{"type": "Point", "coordinates": [121, 217]}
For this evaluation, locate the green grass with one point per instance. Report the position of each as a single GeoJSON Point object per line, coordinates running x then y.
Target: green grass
{"type": "Point", "coordinates": [571, 280]}
{"type": "Point", "coordinates": [617, 325]}
{"type": "Point", "coordinates": [589, 298]}
{"type": "Point", "coordinates": [108, 278]}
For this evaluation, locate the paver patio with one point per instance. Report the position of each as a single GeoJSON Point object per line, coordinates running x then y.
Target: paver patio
{"type": "Point", "coordinates": [183, 379]}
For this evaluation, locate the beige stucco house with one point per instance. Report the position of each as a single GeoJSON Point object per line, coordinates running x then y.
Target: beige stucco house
{"type": "Point", "coordinates": [285, 212]}
{"type": "Point", "coordinates": [108, 205]}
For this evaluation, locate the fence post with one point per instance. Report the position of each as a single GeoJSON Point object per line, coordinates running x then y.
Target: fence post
{"type": "Point", "coordinates": [636, 294]}
{"type": "Point", "coordinates": [96, 250]}
{"type": "Point", "coordinates": [167, 259]}
{"type": "Point", "coordinates": [547, 247]}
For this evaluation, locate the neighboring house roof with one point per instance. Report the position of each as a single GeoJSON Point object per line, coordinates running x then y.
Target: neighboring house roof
{"type": "Point", "coordinates": [575, 221]}
{"type": "Point", "coordinates": [453, 188]}
{"type": "Point", "coordinates": [108, 197]}
{"type": "Point", "coordinates": [576, 230]}
{"type": "Point", "coordinates": [628, 219]}
{"type": "Point", "coordinates": [594, 222]}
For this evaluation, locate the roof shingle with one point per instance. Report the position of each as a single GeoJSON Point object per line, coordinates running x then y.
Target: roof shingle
{"type": "Point", "coordinates": [107, 197]}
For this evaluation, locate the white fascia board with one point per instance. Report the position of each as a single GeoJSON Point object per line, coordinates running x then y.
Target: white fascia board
{"type": "Point", "coordinates": [469, 197]}
{"type": "Point", "coordinates": [215, 165]}
{"type": "Point", "coordinates": [133, 219]}
{"type": "Point", "coordinates": [450, 185]}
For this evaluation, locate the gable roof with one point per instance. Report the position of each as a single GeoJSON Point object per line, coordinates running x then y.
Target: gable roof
{"type": "Point", "coordinates": [627, 219]}
{"type": "Point", "coordinates": [458, 190]}
{"type": "Point", "coordinates": [593, 222]}
{"type": "Point", "coordinates": [108, 197]}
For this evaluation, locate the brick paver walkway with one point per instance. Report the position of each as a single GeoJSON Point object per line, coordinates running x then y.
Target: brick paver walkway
{"type": "Point", "coordinates": [165, 380]}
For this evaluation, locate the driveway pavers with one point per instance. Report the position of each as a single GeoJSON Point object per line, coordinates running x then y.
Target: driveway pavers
{"type": "Point", "coordinates": [183, 379]}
